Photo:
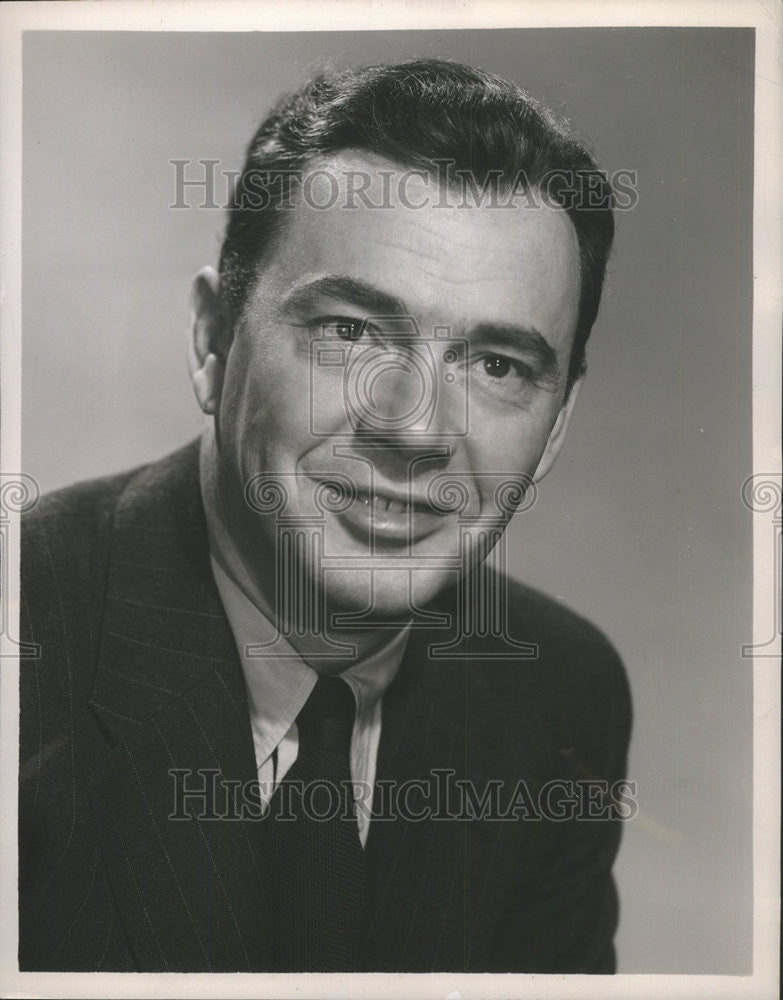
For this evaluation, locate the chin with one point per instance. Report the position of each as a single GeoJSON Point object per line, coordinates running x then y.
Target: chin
{"type": "Point", "coordinates": [393, 596]}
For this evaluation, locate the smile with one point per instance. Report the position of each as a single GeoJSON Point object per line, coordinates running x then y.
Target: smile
{"type": "Point", "coordinates": [383, 502]}
{"type": "Point", "coordinates": [383, 515]}
{"type": "Point", "coordinates": [378, 502]}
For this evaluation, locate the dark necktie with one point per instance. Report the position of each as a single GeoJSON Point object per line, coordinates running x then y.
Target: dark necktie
{"type": "Point", "coordinates": [317, 858]}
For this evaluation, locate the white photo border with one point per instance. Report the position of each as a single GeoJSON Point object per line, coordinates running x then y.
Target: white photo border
{"type": "Point", "coordinates": [314, 15]}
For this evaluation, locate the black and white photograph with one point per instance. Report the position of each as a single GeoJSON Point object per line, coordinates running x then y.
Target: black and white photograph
{"type": "Point", "coordinates": [390, 500]}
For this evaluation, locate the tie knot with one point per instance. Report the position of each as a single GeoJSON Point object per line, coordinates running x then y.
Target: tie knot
{"type": "Point", "coordinates": [325, 721]}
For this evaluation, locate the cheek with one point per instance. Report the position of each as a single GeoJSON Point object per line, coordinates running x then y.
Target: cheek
{"type": "Point", "coordinates": [497, 453]}
{"type": "Point", "coordinates": [512, 446]}
{"type": "Point", "coordinates": [265, 402]}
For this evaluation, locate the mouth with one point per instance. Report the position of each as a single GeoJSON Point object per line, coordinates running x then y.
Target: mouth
{"type": "Point", "coordinates": [381, 514]}
{"type": "Point", "coordinates": [384, 502]}
{"type": "Point", "coordinates": [344, 493]}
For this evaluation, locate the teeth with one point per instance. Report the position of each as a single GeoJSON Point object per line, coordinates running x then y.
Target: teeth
{"type": "Point", "coordinates": [379, 503]}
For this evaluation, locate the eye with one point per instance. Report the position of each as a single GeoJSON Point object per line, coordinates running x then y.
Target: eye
{"type": "Point", "coordinates": [496, 366]}
{"type": "Point", "coordinates": [344, 327]}
{"type": "Point", "coordinates": [503, 377]}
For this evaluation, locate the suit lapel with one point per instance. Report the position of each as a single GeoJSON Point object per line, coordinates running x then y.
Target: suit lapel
{"type": "Point", "coordinates": [186, 871]}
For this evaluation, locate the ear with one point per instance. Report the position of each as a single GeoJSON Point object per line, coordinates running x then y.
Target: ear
{"type": "Point", "coordinates": [557, 434]}
{"type": "Point", "coordinates": [210, 339]}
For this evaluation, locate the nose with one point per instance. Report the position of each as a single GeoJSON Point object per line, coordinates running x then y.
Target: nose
{"type": "Point", "coordinates": [400, 395]}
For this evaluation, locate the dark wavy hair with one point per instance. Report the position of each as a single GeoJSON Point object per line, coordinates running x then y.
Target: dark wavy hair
{"type": "Point", "coordinates": [421, 114]}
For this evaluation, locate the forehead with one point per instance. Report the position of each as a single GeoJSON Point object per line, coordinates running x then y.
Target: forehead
{"type": "Point", "coordinates": [452, 262]}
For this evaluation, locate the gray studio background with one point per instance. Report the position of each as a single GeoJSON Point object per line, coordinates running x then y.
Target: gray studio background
{"type": "Point", "coordinates": [640, 525]}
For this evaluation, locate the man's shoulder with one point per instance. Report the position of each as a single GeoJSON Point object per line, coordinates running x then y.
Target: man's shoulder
{"type": "Point", "coordinates": [69, 530]}
{"type": "Point", "coordinates": [82, 507]}
{"type": "Point", "coordinates": [556, 660]}
{"type": "Point", "coordinates": [69, 541]}
{"type": "Point", "coordinates": [543, 618]}
{"type": "Point", "coordinates": [66, 538]}
{"type": "Point", "coordinates": [83, 512]}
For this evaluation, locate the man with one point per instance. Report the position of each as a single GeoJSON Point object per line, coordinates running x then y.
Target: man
{"type": "Point", "coordinates": [285, 718]}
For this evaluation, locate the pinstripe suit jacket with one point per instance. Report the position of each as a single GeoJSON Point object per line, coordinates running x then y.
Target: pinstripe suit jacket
{"type": "Point", "coordinates": [138, 674]}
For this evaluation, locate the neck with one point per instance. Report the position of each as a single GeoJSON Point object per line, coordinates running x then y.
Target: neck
{"type": "Point", "coordinates": [331, 650]}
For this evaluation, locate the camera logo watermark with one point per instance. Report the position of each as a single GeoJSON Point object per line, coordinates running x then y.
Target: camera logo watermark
{"type": "Point", "coordinates": [359, 373]}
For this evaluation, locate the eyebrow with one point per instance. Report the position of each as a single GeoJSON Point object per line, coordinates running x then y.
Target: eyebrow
{"type": "Point", "coordinates": [375, 301]}
{"type": "Point", "coordinates": [341, 286]}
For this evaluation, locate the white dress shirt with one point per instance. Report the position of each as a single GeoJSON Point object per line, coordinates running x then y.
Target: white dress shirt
{"type": "Point", "coordinates": [279, 682]}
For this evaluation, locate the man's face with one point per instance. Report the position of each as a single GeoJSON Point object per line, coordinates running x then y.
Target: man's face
{"type": "Point", "coordinates": [381, 353]}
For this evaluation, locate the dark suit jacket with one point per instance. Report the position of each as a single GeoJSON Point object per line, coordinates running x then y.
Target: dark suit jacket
{"type": "Point", "coordinates": [138, 674]}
